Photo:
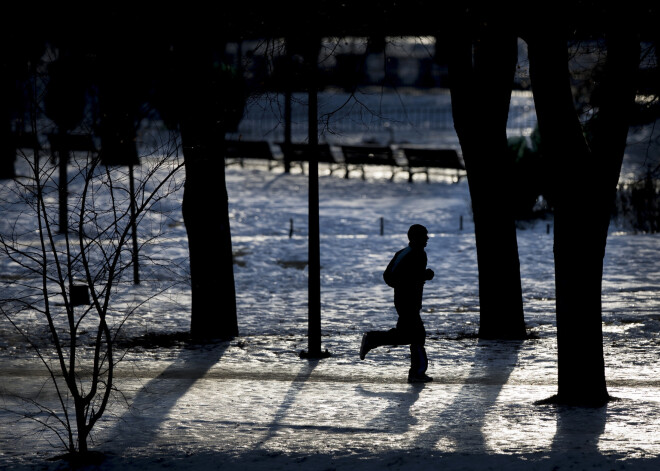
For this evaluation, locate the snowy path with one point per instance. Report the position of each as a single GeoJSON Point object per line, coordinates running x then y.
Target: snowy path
{"type": "Point", "coordinates": [215, 407]}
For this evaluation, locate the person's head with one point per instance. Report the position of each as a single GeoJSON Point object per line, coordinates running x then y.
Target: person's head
{"type": "Point", "coordinates": [418, 235]}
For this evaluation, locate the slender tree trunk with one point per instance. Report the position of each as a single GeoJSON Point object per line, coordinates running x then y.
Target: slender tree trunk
{"type": "Point", "coordinates": [584, 181]}
{"type": "Point", "coordinates": [481, 93]}
{"type": "Point", "coordinates": [7, 149]}
{"type": "Point", "coordinates": [81, 425]}
{"type": "Point", "coordinates": [288, 93]}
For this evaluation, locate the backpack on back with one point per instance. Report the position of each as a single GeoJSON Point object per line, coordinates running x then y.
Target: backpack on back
{"type": "Point", "coordinates": [389, 275]}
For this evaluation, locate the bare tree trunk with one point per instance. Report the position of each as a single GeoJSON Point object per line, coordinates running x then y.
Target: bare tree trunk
{"type": "Point", "coordinates": [211, 104]}
{"type": "Point", "coordinates": [481, 93]}
{"type": "Point", "coordinates": [7, 149]}
{"type": "Point", "coordinates": [206, 216]}
{"type": "Point", "coordinates": [81, 425]}
{"type": "Point", "coordinates": [584, 181]}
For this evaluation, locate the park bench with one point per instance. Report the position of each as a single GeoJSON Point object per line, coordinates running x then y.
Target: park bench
{"type": "Point", "coordinates": [422, 159]}
{"type": "Point", "coordinates": [238, 151]}
{"type": "Point", "coordinates": [357, 157]}
{"type": "Point", "coordinates": [17, 141]}
{"type": "Point", "coordinates": [71, 143]}
{"type": "Point", "coordinates": [299, 153]}
{"type": "Point", "coordinates": [25, 140]}
{"type": "Point", "coordinates": [112, 153]}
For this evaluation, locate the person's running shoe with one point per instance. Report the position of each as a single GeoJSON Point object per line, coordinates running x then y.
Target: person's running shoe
{"type": "Point", "coordinates": [364, 346]}
{"type": "Point", "coordinates": [423, 378]}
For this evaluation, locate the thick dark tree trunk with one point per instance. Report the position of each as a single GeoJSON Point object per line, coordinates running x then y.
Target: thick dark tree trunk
{"type": "Point", "coordinates": [584, 177]}
{"type": "Point", "coordinates": [210, 104]}
{"type": "Point", "coordinates": [206, 216]}
{"type": "Point", "coordinates": [481, 93]}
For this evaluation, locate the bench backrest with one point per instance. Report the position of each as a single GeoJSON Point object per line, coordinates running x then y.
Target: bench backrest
{"type": "Point", "coordinates": [237, 149]}
{"type": "Point", "coordinates": [368, 155]}
{"type": "Point", "coordinates": [25, 140]}
{"type": "Point", "coordinates": [438, 158]}
{"type": "Point", "coordinates": [71, 142]}
{"type": "Point", "coordinates": [299, 152]}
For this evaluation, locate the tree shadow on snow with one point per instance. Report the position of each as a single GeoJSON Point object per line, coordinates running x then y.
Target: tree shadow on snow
{"type": "Point", "coordinates": [460, 425]}
{"type": "Point", "coordinates": [397, 417]}
{"type": "Point", "coordinates": [153, 402]}
{"type": "Point", "coordinates": [579, 430]}
{"type": "Point", "coordinates": [288, 402]}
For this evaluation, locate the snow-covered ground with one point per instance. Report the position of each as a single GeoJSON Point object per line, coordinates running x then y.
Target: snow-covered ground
{"type": "Point", "coordinates": [253, 404]}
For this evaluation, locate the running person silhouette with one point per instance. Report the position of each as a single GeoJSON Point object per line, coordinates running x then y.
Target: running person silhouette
{"type": "Point", "coordinates": [407, 274]}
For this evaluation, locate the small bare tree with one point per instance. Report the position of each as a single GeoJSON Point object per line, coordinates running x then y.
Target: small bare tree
{"type": "Point", "coordinates": [65, 279]}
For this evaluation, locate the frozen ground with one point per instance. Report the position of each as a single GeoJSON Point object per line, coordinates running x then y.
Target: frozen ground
{"type": "Point", "coordinates": [253, 404]}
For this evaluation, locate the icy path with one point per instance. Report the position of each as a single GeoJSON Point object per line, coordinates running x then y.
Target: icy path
{"type": "Point", "coordinates": [253, 402]}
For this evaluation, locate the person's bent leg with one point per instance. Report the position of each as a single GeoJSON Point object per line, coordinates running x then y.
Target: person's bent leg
{"type": "Point", "coordinates": [378, 338]}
